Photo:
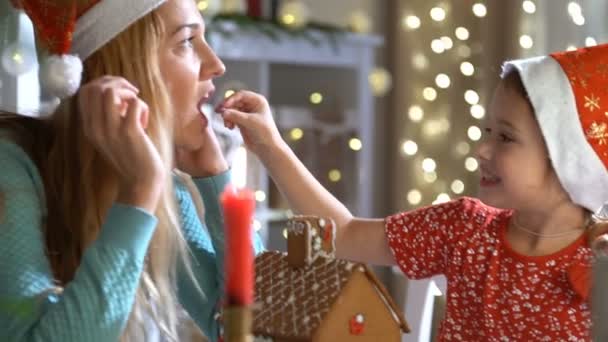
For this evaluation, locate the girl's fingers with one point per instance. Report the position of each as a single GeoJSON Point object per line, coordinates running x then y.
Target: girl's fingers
{"type": "Point", "coordinates": [242, 100]}
{"type": "Point", "coordinates": [234, 117]}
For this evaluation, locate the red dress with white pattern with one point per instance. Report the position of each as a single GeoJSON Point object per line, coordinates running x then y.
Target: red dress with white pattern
{"type": "Point", "coordinates": [494, 293]}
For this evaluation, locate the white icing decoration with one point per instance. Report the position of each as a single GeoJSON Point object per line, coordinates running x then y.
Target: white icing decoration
{"type": "Point", "coordinates": [322, 223]}
{"type": "Point", "coordinates": [326, 255]}
{"type": "Point", "coordinates": [359, 318]}
{"type": "Point", "coordinates": [313, 232]}
{"type": "Point", "coordinates": [296, 227]}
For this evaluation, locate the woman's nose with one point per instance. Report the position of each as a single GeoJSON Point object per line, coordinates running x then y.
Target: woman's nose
{"type": "Point", "coordinates": [212, 66]}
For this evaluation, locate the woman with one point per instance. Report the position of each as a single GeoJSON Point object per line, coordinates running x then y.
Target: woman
{"type": "Point", "coordinates": [93, 244]}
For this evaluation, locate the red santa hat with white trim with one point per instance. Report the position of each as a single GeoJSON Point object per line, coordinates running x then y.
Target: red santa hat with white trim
{"type": "Point", "coordinates": [72, 30]}
{"type": "Point", "coordinates": [569, 93]}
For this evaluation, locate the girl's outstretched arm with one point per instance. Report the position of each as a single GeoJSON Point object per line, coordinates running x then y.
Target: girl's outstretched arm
{"type": "Point", "coordinates": [357, 239]}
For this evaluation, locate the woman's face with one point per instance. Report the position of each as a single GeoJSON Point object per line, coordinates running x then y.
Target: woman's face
{"type": "Point", "coordinates": [188, 66]}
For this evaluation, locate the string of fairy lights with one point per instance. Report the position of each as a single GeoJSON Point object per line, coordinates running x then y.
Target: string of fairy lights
{"type": "Point", "coordinates": [295, 14]}
{"type": "Point", "coordinates": [431, 182]}
{"type": "Point", "coordinates": [425, 128]}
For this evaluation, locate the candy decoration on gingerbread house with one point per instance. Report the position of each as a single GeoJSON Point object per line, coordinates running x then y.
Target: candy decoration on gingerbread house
{"type": "Point", "coordinates": [309, 295]}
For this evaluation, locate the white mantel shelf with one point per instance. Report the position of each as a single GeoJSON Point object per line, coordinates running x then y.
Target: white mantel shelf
{"type": "Point", "coordinates": [255, 46]}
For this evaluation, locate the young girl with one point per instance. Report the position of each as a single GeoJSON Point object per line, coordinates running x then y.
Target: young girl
{"type": "Point", "coordinates": [516, 258]}
{"type": "Point", "coordinates": [98, 240]}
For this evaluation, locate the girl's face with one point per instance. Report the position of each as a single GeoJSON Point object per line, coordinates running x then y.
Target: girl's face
{"type": "Point", "coordinates": [188, 66]}
{"type": "Point", "coordinates": [516, 172]}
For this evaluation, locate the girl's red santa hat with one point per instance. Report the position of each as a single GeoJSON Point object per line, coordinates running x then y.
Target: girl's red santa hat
{"type": "Point", "coordinates": [569, 93]}
{"type": "Point", "coordinates": [72, 30]}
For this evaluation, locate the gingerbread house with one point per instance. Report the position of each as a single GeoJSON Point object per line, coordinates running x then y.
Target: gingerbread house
{"type": "Point", "coordinates": [309, 295]}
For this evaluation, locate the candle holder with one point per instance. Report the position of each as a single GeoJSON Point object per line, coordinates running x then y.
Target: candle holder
{"type": "Point", "coordinates": [238, 321]}
{"type": "Point", "coordinates": [239, 206]}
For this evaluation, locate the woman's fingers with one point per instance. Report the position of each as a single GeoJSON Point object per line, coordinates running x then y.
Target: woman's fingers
{"type": "Point", "coordinates": [117, 82]}
{"type": "Point", "coordinates": [112, 104]}
{"type": "Point", "coordinates": [101, 103]}
{"type": "Point", "coordinates": [136, 112]}
{"type": "Point", "coordinates": [114, 119]}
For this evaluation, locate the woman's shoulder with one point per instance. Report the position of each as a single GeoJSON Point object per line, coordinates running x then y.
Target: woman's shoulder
{"type": "Point", "coordinates": [12, 155]}
{"type": "Point", "coordinates": [18, 169]}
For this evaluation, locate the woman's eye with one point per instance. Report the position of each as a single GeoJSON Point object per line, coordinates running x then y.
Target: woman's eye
{"type": "Point", "coordinates": [188, 42]}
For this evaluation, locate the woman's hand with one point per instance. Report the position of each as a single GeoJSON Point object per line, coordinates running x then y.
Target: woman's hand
{"type": "Point", "coordinates": [114, 121]}
{"type": "Point", "coordinates": [251, 113]}
{"type": "Point", "coordinates": [207, 161]}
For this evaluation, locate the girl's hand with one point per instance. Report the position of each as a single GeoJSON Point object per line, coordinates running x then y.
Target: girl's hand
{"type": "Point", "coordinates": [598, 238]}
{"type": "Point", "coordinates": [114, 121]}
{"type": "Point", "coordinates": [251, 113]}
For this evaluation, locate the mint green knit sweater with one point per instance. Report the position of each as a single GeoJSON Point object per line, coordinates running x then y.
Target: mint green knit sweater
{"type": "Point", "coordinates": [96, 304]}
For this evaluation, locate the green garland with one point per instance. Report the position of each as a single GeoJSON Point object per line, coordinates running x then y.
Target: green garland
{"type": "Point", "coordinates": [276, 31]}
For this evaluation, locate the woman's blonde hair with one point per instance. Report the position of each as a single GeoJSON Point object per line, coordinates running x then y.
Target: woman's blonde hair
{"type": "Point", "coordinates": [80, 185]}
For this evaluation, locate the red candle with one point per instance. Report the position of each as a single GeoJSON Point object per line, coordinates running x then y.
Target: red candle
{"type": "Point", "coordinates": [254, 8]}
{"type": "Point", "coordinates": [238, 205]}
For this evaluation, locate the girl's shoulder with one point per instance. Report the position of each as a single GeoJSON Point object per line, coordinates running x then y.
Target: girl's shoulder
{"type": "Point", "coordinates": [463, 209]}
{"type": "Point", "coordinates": [457, 220]}
{"type": "Point", "coordinates": [475, 217]}
{"type": "Point", "coordinates": [474, 208]}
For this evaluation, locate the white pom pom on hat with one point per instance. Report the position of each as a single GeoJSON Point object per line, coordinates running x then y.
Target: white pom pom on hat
{"type": "Point", "coordinates": [60, 76]}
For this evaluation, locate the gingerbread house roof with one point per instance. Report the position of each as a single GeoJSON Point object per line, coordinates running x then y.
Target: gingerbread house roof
{"type": "Point", "coordinates": [293, 301]}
